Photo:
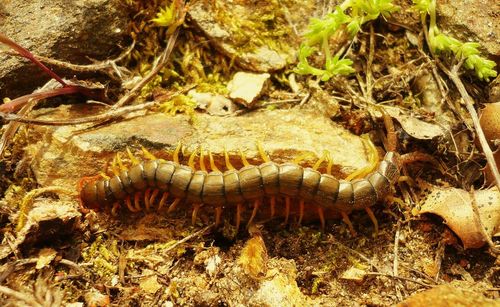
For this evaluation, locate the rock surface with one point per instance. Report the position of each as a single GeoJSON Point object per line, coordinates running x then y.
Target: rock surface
{"type": "Point", "coordinates": [64, 155]}
{"type": "Point", "coordinates": [261, 37]}
{"type": "Point", "coordinates": [73, 32]}
{"type": "Point", "coordinates": [472, 21]}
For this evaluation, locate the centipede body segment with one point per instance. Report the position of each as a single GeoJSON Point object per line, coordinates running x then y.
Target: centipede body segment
{"type": "Point", "coordinates": [250, 184]}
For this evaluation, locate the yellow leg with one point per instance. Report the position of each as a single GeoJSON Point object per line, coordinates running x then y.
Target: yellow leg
{"type": "Point", "coordinates": [346, 220]}
{"type": "Point", "coordinates": [173, 205]}
{"type": "Point", "coordinates": [226, 158]}
{"type": "Point", "coordinates": [202, 160]}
{"type": "Point", "coordinates": [273, 206]}
{"type": "Point", "coordinates": [256, 206]}
{"type": "Point", "coordinates": [374, 220]}
{"type": "Point", "coordinates": [243, 158]}
{"type": "Point", "coordinates": [299, 159]}
{"type": "Point", "coordinates": [163, 200]}
{"type": "Point", "coordinates": [196, 209]}
{"type": "Point", "coordinates": [330, 163]}
{"type": "Point", "coordinates": [301, 211]}
{"type": "Point", "coordinates": [212, 162]}
{"type": "Point", "coordinates": [137, 201]}
{"type": "Point", "coordinates": [132, 158]}
{"type": "Point", "coordinates": [218, 214]}
{"type": "Point", "coordinates": [321, 215]}
{"type": "Point", "coordinates": [372, 161]}
{"type": "Point", "coordinates": [114, 165]}
{"type": "Point", "coordinates": [147, 154]}
{"type": "Point", "coordinates": [320, 161]}
{"type": "Point", "coordinates": [262, 153]}
{"type": "Point", "coordinates": [191, 159]}
{"type": "Point", "coordinates": [176, 152]}
{"type": "Point", "coordinates": [239, 209]}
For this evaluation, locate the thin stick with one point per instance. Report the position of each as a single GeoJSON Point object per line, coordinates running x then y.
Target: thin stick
{"type": "Point", "coordinates": [400, 278]}
{"type": "Point", "coordinates": [191, 236]}
{"type": "Point", "coordinates": [162, 62]}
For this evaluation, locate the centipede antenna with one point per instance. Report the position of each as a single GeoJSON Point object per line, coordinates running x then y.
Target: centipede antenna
{"type": "Point", "coordinates": [212, 162]}
{"type": "Point", "coordinates": [114, 209]}
{"type": "Point", "coordinates": [152, 199]}
{"type": "Point", "coordinates": [239, 209]}
{"type": "Point", "coordinates": [301, 211]}
{"type": "Point", "coordinates": [263, 153]}
{"type": "Point", "coordinates": [137, 201]}
{"type": "Point", "coordinates": [148, 155]}
{"type": "Point", "coordinates": [218, 214]}
{"type": "Point", "coordinates": [373, 219]}
{"type": "Point", "coordinates": [391, 133]}
{"type": "Point", "coordinates": [191, 159]}
{"type": "Point", "coordinates": [243, 158]}
{"type": "Point", "coordinates": [345, 219]}
{"type": "Point", "coordinates": [202, 160]}
{"type": "Point", "coordinates": [163, 200]}
{"type": "Point", "coordinates": [196, 209]}
{"type": "Point", "coordinates": [173, 205]}
{"type": "Point", "coordinates": [321, 214]}
{"type": "Point", "coordinates": [226, 158]}
{"type": "Point", "coordinates": [273, 206]}
{"type": "Point", "coordinates": [176, 152]}
{"type": "Point", "coordinates": [132, 158]}
{"type": "Point", "coordinates": [147, 196]}
{"type": "Point", "coordinates": [287, 209]}
{"type": "Point", "coordinates": [330, 163]}
{"type": "Point", "coordinates": [256, 206]}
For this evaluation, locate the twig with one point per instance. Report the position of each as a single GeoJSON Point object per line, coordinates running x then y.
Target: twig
{"type": "Point", "coordinates": [396, 259]}
{"type": "Point", "coordinates": [162, 62]}
{"type": "Point", "coordinates": [479, 222]}
{"type": "Point", "coordinates": [106, 116]}
{"type": "Point", "coordinates": [19, 296]}
{"type": "Point", "coordinates": [469, 104]}
{"type": "Point", "coordinates": [191, 236]}
{"type": "Point", "coordinates": [400, 278]}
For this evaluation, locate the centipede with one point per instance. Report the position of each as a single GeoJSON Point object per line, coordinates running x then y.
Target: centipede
{"type": "Point", "coordinates": [140, 186]}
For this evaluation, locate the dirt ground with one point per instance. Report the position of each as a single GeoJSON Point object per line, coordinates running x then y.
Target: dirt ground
{"type": "Point", "coordinates": [428, 248]}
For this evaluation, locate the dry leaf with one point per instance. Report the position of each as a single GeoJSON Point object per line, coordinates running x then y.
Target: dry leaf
{"type": "Point", "coordinates": [45, 256]}
{"type": "Point", "coordinates": [354, 274]}
{"type": "Point", "coordinates": [150, 284]}
{"type": "Point", "coordinates": [253, 258]}
{"type": "Point", "coordinates": [455, 207]}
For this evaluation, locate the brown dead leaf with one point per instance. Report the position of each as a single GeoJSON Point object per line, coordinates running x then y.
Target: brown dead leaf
{"type": "Point", "coordinates": [455, 207]}
{"type": "Point", "coordinates": [253, 258]}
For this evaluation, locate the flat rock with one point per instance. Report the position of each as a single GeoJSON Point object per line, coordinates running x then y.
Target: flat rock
{"type": "Point", "coordinates": [73, 32]}
{"type": "Point", "coordinates": [472, 21]}
{"type": "Point", "coordinates": [63, 155]}
{"type": "Point", "coordinates": [259, 37]}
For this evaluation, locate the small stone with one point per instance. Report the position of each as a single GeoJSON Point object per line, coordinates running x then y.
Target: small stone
{"type": "Point", "coordinates": [354, 274]}
{"type": "Point", "coordinates": [150, 284]}
{"type": "Point", "coordinates": [246, 87]}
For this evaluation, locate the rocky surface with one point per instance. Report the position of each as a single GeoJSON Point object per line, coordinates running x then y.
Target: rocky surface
{"type": "Point", "coordinates": [51, 29]}
{"type": "Point", "coordinates": [472, 21]}
{"type": "Point", "coordinates": [65, 154]}
{"type": "Point", "coordinates": [261, 36]}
